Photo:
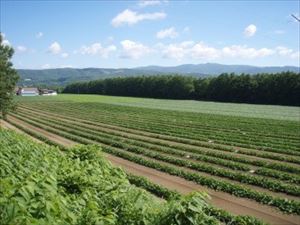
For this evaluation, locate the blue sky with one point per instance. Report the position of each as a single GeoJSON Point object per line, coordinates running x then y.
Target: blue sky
{"type": "Point", "coordinates": [115, 34]}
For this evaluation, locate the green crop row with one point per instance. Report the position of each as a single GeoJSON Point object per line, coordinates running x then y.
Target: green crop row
{"type": "Point", "coordinates": [288, 206]}
{"type": "Point", "coordinates": [219, 214]}
{"type": "Point", "coordinates": [260, 127]}
{"type": "Point", "coordinates": [285, 205]}
{"type": "Point", "coordinates": [230, 148]}
{"type": "Point", "coordinates": [242, 138]}
{"type": "Point", "coordinates": [168, 150]}
{"type": "Point", "coordinates": [243, 178]}
{"type": "Point", "coordinates": [39, 185]}
{"type": "Point", "coordinates": [218, 122]}
{"type": "Point", "coordinates": [231, 165]}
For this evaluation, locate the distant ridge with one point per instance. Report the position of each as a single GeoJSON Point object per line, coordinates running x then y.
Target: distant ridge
{"type": "Point", "coordinates": [63, 76]}
{"type": "Point", "coordinates": [216, 69]}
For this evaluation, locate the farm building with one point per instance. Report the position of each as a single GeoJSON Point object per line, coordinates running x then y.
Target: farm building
{"type": "Point", "coordinates": [47, 92]}
{"type": "Point", "coordinates": [29, 92]}
{"type": "Point", "coordinates": [25, 91]}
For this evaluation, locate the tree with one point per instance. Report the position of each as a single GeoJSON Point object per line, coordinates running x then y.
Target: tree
{"type": "Point", "coordinates": [8, 78]}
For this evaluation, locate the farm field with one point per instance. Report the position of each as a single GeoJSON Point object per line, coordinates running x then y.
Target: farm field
{"type": "Point", "coordinates": [236, 109]}
{"type": "Point", "coordinates": [250, 153]}
{"type": "Point", "coordinates": [79, 186]}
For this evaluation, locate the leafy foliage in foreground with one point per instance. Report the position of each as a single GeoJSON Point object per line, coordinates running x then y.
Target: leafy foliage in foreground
{"type": "Point", "coordinates": [41, 185]}
{"type": "Point", "coordinates": [220, 214]}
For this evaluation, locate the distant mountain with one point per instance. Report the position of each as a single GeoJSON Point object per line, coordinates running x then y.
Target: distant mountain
{"type": "Point", "coordinates": [216, 69]}
{"type": "Point", "coordinates": [63, 76]}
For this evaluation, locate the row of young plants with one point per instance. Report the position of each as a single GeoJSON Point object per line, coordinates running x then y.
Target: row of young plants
{"type": "Point", "coordinates": [151, 128]}
{"type": "Point", "coordinates": [165, 193]}
{"type": "Point", "coordinates": [290, 178]}
{"type": "Point", "coordinates": [216, 136]}
{"type": "Point", "coordinates": [281, 176]}
{"type": "Point", "coordinates": [152, 113]}
{"type": "Point", "coordinates": [168, 117]}
{"type": "Point", "coordinates": [205, 138]}
{"type": "Point", "coordinates": [285, 205]}
{"type": "Point", "coordinates": [264, 182]}
{"type": "Point", "coordinates": [234, 150]}
{"type": "Point", "coordinates": [163, 148]}
{"type": "Point", "coordinates": [197, 137]}
{"type": "Point", "coordinates": [39, 185]}
{"type": "Point", "coordinates": [222, 215]}
{"type": "Point", "coordinates": [250, 125]}
{"type": "Point", "coordinates": [183, 151]}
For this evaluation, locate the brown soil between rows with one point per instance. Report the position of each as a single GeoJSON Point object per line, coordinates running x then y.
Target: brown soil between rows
{"type": "Point", "coordinates": [162, 140]}
{"type": "Point", "coordinates": [53, 137]}
{"type": "Point", "coordinates": [4, 124]}
{"type": "Point", "coordinates": [222, 200]}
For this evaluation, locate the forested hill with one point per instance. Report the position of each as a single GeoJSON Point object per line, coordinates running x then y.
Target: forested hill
{"type": "Point", "coordinates": [64, 76]}
{"type": "Point", "coordinates": [278, 88]}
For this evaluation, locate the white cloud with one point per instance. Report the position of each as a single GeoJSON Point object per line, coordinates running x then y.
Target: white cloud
{"type": "Point", "coordinates": [283, 51]}
{"type": "Point", "coordinates": [167, 33]}
{"type": "Point", "coordinates": [250, 30]}
{"type": "Point", "coordinates": [21, 48]}
{"type": "Point", "coordinates": [97, 49]}
{"type": "Point", "coordinates": [54, 48]}
{"type": "Point", "coordinates": [6, 42]}
{"type": "Point", "coordinates": [130, 17]}
{"type": "Point", "coordinates": [174, 51]}
{"type": "Point", "coordinates": [177, 51]}
{"type": "Point", "coordinates": [64, 55]}
{"type": "Point", "coordinates": [295, 55]}
{"type": "Point", "coordinates": [242, 51]}
{"type": "Point", "coordinates": [202, 51]}
{"type": "Point", "coordinates": [46, 66]}
{"type": "Point", "coordinates": [134, 50]}
{"type": "Point", "coordinates": [191, 50]}
{"type": "Point", "coordinates": [287, 52]}
{"type": "Point", "coordinates": [144, 3]}
{"type": "Point", "coordinates": [39, 35]}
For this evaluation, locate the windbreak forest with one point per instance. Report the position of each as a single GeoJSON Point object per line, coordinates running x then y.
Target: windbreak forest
{"type": "Point", "coordinates": [279, 89]}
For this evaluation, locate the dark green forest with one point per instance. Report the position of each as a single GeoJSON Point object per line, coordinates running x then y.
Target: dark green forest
{"type": "Point", "coordinates": [279, 88]}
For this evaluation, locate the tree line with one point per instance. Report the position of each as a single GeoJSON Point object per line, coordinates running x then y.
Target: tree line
{"type": "Point", "coordinates": [279, 88]}
{"type": "Point", "coordinates": [8, 79]}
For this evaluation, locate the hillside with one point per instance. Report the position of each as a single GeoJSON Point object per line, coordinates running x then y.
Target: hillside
{"type": "Point", "coordinates": [63, 76]}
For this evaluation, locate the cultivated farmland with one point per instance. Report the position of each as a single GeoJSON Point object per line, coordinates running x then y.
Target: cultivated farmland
{"type": "Point", "coordinates": [247, 159]}
{"type": "Point", "coordinates": [42, 185]}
